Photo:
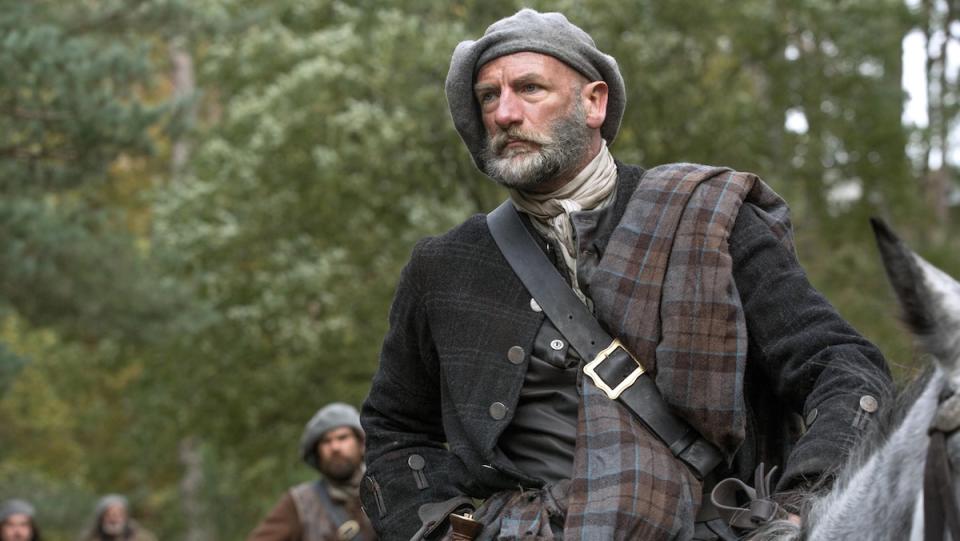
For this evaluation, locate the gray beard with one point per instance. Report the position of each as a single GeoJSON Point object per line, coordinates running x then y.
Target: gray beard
{"type": "Point", "coordinates": [561, 150]}
{"type": "Point", "coordinates": [114, 528]}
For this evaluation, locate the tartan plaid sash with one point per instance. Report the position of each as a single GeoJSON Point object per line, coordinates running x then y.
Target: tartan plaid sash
{"type": "Point", "coordinates": [667, 256]}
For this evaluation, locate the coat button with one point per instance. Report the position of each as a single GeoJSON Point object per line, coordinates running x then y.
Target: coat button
{"type": "Point", "coordinates": [498, 410]}
{"type": "Point", "coordinates": [516, 355]}
{"type": "Point", "coordinates": [556, 345]}
{"type": "Point", "coordinates": [811, 416]}
{"type": "Point", "coordinates": [535, 306]}
{"type": "Point", "coordinates": [416, 462]}
{"type": "Point", "coordinates": [868, 403]}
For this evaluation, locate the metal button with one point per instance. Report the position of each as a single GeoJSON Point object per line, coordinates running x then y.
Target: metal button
{"type": "Point", "coordinates": [516, 355]}
{"type": "Point", "coordinates": [811, 416]}
{"type": "Point", "coordinates": [416, 462]}
{"type": "Point", "coordinates": [498, 410]}
{"type": "Point", "coordinates": [535, 306]}
{"type": "Point", "coordinates": [868, 403]}
{"type": "Point", "coordinates": [557, 345]}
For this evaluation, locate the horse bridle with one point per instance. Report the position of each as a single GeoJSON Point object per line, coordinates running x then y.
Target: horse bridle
{"type": "Point", "coordinates": [940, 511]}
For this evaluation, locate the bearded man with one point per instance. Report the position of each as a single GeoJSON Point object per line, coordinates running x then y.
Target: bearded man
{"type": "Point", "coordinates": [612, 345]}
{"type": "Point", "coordinates": [112, 522]}
{"type": "Point", "coordinates": [327, 509]}
{"type": "Point", "coordinates": [17, 521]}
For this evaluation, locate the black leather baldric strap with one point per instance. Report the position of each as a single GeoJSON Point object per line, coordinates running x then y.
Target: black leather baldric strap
{"type": "Point", "coordinates": [585, 334]}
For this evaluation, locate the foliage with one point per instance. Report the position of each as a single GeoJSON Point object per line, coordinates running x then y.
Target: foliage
{"type": "Point", "coordinates": [70, 105]}
{"type": "Point", "coordinates": [146, 307]}
{"type": "Point", "coordinates": [81, 298]}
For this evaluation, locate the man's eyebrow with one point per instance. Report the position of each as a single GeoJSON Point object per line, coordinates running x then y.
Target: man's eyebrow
{"type": "Point", "coordinates": [483, 87]}
{"type": "Point", "coordinates": [529, 77]}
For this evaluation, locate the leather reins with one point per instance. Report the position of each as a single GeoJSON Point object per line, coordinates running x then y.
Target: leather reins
{"type": "Point", "coordinates": [940, 510]}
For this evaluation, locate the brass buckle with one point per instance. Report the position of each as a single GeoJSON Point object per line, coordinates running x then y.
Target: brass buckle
{"type": "Point", "coordinates": [590, 370]}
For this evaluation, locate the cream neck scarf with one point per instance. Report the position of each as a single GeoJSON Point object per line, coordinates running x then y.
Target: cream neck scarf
{"type": "Point", "coordinates": [592, 188]}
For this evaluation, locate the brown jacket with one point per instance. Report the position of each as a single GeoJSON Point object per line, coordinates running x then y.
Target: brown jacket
{"type": "Point", "coordinates": [300, 515]}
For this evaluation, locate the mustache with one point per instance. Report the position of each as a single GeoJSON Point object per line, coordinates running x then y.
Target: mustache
{"type": "Point", "coordinates": [514, 134]}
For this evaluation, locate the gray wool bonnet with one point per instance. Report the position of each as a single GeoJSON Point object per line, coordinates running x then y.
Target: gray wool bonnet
{"type": "Point", "coordinates": [329, 417]}
{"type": "Point", "coordinates": [110, 500]}
{"type": "Point", "coordinates": [16, 507]}
{"type": "Point", "coordinates": [528, 31]}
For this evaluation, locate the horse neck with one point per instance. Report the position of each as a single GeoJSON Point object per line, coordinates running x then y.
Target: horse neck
{"type": "Point", "coordinates": [879, 496]}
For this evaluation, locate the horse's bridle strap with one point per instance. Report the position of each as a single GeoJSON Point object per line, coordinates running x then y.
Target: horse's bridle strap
{"type": "Point", "coordinates": [939, 501]}
{"type": "Point", "coordinates": [947, 418]}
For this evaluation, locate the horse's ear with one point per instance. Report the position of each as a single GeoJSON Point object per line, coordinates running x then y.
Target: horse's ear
{"type": "Point", "coordinates": [929, 297]}
{"type": "Point", "coordinates": [906, 277]}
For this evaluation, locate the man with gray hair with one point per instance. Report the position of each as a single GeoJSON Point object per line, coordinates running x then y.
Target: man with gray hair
{"type": "Point", "coordinates": [612, 344]}
{"type": "Point", "coordinates": [17, 521]}
{"type": "Point", "coordinates": [112, 522]}
{"type": "Point", "coordinates": [327, 509]}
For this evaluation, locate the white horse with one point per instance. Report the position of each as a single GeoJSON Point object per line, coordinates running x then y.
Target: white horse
{"type": "Point", "coordinates": [880, 493]}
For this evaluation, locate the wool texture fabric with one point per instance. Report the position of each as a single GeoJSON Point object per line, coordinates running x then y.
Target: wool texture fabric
{"type": "Point", "coordinates": [16, 507]}
{"type": "Point", "coordinates": [331, 416]}
{"type": "Point", "coordinates": [667, 292]}
{"type": "Point", "coordinates": [532, 515]}
{"type": "Point", "coordinates": [592, 188]}
{"type": "Point", "coordinates": [528, 31]}
{"type": "Point", "coordinates": [669, 256]}
{"type": "Point", "coordinates": [110, 500]}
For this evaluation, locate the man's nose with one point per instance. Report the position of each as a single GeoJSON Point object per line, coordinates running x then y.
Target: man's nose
{"type": "Point", "coordinates": [509, 110]}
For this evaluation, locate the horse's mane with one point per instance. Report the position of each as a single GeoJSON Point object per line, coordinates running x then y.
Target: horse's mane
{"type": "Point", "coordinates": [874, 493]}
{"type": "Point", "coordinates": [894, 405]}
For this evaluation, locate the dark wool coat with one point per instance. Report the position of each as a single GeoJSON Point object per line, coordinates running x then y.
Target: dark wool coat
{"type": "Point", "coordinates": [446, 388]}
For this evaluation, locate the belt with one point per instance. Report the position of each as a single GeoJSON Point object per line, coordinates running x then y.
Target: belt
{"type": "Point", "coordinates": [611, 367]}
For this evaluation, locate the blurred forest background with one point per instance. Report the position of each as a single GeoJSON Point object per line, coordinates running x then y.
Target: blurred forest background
{"type": "Point", "coordinates": [205, 204]}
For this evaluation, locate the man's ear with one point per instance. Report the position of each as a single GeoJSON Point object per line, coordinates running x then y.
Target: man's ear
{"type": "Point", "coordinates": [594, 97]}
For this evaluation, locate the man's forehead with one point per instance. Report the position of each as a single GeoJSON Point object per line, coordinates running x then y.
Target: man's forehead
{"type": "Point", "coordinates": [337, 433]}
{"type": "Point", "coordinates": [525, 63]}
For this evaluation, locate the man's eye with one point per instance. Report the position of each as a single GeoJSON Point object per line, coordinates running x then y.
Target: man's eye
{"type": "Point", "coordinates": [530, 87]}
{"type": "Point", "coordinates": [487, 97]}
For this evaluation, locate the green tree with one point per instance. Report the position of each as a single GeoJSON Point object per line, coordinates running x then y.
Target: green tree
{"type": "Point", "coordinates": [83, 296]}
{"type": "Point", "coordinates": [73, 101]}
{"type": "Point", "coordinates": [294, 222]}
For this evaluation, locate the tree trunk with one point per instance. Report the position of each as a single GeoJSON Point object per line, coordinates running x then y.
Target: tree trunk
{"type": "Point", "coordinates": [937, 179]}
{"type": "Point", "coordinates": [184, 86]}
{"type": "Point", "coordinates": [191, 491]}
{"type": "Point", "coordinates": [928, 15]}
{"type": "Point", "coordinates": [191, 458]}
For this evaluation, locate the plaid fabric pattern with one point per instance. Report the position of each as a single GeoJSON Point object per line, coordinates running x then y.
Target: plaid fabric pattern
{"type": "Point", "coordinates": [531, 515]}
{"type": "Point", "coordinates": [667, 256]}
{"type": "Point", "coordinates": [627, 484]}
